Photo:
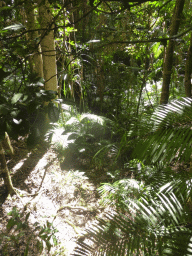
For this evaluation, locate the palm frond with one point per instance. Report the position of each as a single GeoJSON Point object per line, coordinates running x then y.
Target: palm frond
{"type": "Point", "coordinates": [157, 223]}
{"type": "Point", "coordinates": [157, 220]}
{"type": "Point", "coordinates": [171, 134]}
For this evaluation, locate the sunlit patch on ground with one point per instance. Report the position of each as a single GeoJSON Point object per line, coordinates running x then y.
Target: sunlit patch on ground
{"type": "Point", "coordinates": [66, 198]}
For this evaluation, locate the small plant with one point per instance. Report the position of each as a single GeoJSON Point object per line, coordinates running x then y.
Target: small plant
{"type": "Point", "coordinates": [85, 137]}
{"type": "Point", "coordinates": [118, 193]}
{"type": "Point", "coordinates": [18, 238]}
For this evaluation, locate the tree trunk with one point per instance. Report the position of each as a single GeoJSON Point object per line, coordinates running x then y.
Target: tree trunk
{"type": "Point", "coordinates": [6, 144]}
{"type": "Point", "coordinates": [5, 172]}
{"type": "Point", "coordinates": [188, 70]}
{"type": "Point", "coordinates": [36, 62]}
{"type": "Point", "coordinates": [48, 45]}
{"type": "Point", "coordinates": [168, 62]}
{"type": "Point", "coordinates": [100, 81]}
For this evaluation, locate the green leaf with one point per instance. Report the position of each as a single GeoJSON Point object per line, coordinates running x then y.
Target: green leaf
{"type": "Point", "coordinates": [17, 121]}
{"type": "Point", "coordinates": [16, 98]}
{"type": "Point", "coordinates": [27, 216]}
{"type": "Point", "coordinates": [14, 27]}
{"type": "Point", "coordinates": [26, 250]}
{"type": "Point", "coordinates": [4, 109]}
{"type": "Point", "coordinates": [25, 97]}
{"type": "Point", "coordinates": [14, 113]}
{"type": "Point", "coordinates": [4, 8]}
{"type": "Point", "coordinates": [157, 49]}
{"type": "Point", "coordinates": [54, 240]}
{"type": "Point", "coordinates": [93, 41]}
{"type": "Point", "coordinates": [11, 223]}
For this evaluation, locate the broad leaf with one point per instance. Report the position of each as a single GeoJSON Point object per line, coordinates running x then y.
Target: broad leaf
{"type": "Point", "coordinates": [14, 27]}
{"type": "Point", "coordinates": [16, 98]}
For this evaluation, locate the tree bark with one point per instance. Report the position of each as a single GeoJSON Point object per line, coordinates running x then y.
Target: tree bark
{"type": "Point", "coordinates": [36, 62]}
{"type": "Point", "coordinates": [6, 144]}
{"type": "Point", "coordinates": [48, 45]}
{"type": "Point", "coordinates": [5, 172]}
{"type": "Point", "coordinates": [100, 81]}
{"type": "Point", "coordinates": [168, 61]}
{"type": "Point", "coordinates": [188, 70]}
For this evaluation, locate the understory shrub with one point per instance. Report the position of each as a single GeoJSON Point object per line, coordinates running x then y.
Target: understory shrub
{"type": "Point", "coordinates": [85, 136]}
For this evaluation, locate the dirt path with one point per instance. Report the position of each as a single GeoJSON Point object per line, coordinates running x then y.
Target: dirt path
{"type": "Point", "coordinates": [65, 197]}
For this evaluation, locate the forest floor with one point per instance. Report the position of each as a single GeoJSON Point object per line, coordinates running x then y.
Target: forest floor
{"type": "Point", "coordinates": [51, 193]}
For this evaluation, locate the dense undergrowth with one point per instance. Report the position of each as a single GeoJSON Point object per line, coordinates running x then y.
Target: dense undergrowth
{"type": "Point", "coordinates": [146, 184]}
{"type": "Point", "coordinates": [152, 207]}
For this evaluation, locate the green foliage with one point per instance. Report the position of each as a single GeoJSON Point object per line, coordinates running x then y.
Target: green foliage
{"type": "Point", "coordinates": [150, 215]}
{"type": "Point", "coordinates": [152, 221]}
{"type": "Point", "coordinates": [84, 136]}
{"type": "Point", "coordinates": [115, 76]}
{"type": "Point", "coordinates": [116, 194]}
{"type": "Point", "coordinates": [24, 112]}
{"type": "Point", "coordinates": [18, 238]}
{"type": "Point", "coordinates": [170, 135]}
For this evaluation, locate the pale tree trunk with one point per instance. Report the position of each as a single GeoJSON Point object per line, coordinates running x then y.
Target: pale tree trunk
{"type": "Point", "coordinates": [48, 45]}
{"type": "Point", "coordinates": [168, 61]}
{"type": "Point", "coordinates": [36, 62]}
{"type": "Point", "coordinates": [188, 70]}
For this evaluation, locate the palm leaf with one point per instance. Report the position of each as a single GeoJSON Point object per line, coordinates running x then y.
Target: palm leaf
{"type": "Point", "coordinates": [171, 134]}
{"type": "Point", "coordinates": [157, 220]}
{"type": "Point", "coordinates": [155, 224]}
